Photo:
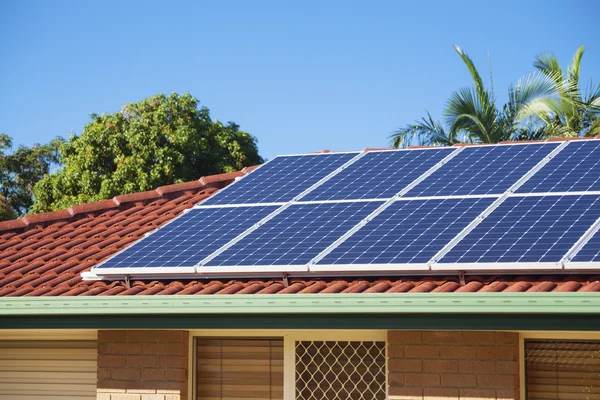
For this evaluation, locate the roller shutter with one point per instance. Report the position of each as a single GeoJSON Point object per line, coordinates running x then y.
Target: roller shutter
{"type": "Point", "coordinates": [563, 370]}
{"type": "Point", "coordinates": [49, 370]}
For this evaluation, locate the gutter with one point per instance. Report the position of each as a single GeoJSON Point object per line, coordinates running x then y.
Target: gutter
{"type": "Point", "coordinates": [295, 304]}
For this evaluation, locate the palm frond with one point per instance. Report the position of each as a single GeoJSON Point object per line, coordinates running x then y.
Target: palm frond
{"type": "Point", "coordinates": [548, 64]}
{"type": "Point", "coordinates": [573, 70]}
{"type": "Point", "coordinates": [426, 132]}
{"type": "Point", "coordinates": [483, 95]}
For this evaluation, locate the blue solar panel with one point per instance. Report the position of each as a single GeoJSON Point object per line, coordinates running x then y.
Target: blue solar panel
{"type": "Point", "coordinates": [188, 239]}
{"type": "Point", "coordinates": [379, 175]}
{"type": "Point", "coordinates": [296, 235]}
{"type": "Point", "coordinates": [576, 168]}
{"type": "Point", "coordinates": [528, 229]}
{"type": "Point", "coordinates": [408, 232]}
{"type": "Point", "coordinates": [591, 251]}
{"type": "Point", "coordinates": [281, 179]}
{"type": "Point", "coordinates": [483, 170]}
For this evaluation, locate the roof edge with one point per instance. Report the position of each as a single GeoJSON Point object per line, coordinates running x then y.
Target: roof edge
{"type": "Point", "coordinates": [398, 303]}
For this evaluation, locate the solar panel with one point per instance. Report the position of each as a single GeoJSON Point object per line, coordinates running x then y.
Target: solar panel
{"type": "Point", "coordinates": [188, 239]}
{"type": "Point", "coordinates": [576, 168]}
{"type": "Point", "coordinates": [590, 252]}
{"type": "Point", "coordinates": [281, 179]}
{"type": "Point", "coordinates": [379, 174]}
{"type": "Point", "coordinates": [483, 170]}
{"type": "Point", "coordinates": [296, 235]}
{"type": "Point", "coordinates": [528, 229]}
{"type": "Point", "coordinates": [408, 232]}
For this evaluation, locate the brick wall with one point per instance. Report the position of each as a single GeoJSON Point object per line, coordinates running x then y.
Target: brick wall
{"type": "Point", "coordinates": [453, 365]}
{"type": "Point", "coordinates": [142, 365]}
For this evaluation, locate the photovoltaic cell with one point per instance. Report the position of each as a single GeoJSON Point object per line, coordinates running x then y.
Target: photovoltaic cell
{"type": "Point", "coordinates": [281, 179]}
{"type": "Point", "coordinates": [379, 174]}
{"type": "Point", "coordinates": [591, 251]}
{"type": "Point", "coordinates": [408, 232]}
{"type": "Point", "coordinates": [528, 229]}
{"type": "Point", "coordinates": [296, 235]}
{"type": "Point", "coordinates": [576, 168]}
{"type": "Point", "coordinates": [188, 239]}
{"type": "Point", "coordinates": [483, 170]}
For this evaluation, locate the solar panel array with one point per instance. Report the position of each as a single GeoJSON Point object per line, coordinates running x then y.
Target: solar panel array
{"type": "Point", "coordinates": [509, 206]}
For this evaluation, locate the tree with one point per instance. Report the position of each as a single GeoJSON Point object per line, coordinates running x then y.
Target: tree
{"type": "Point", "coordinates": [158, 141]}
{"type": "Point", "coordinates": [472, 115]}
{"type": "Point", "coordinates": [573, 113]}
{"type": "Point", "coordinates": [20, 171]}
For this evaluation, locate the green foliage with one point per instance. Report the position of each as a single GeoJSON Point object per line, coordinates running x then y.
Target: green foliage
{"type": "Point", "coordinates": [158, 141]}
{"type": "Point", "coordinates": [472, 115]}
{"type": "Point", "coordinates": [20, 171]}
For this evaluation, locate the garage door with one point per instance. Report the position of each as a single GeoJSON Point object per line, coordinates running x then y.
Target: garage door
{"type": "Point", "coordinates": [32, 370]}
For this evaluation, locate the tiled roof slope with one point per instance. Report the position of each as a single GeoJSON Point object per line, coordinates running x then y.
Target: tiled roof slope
{"type": "Point", "coordinates": [44, 255]}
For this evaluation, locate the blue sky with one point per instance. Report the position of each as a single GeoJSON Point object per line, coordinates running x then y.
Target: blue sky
{"type": "Point", "coordinates": [300, 76]}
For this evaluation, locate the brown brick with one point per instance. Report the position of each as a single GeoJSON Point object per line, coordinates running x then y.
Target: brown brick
{"type": "Point", "coordinates": [479, 394]}
{"type": "Point", "coordinates": [498, 381]}
{"type": "Point", "coordinates": [177, 349]}
{"type": "Point", "coordinates": [459, 380]}
{"type": "Point", "coordinates": [507, 367]}
{"type": "Point", "coordinates": [395, 351]}
{"type": "Point", "coordinates": [172, 361]}
{"type": "Point", "coordinates": [395, 379]}
{"type": "Point", "coordinates": [508, 394]}
{"type": "Point", "coordinates": [404, 337]}
{"type": "Point", "coordinates": [141, 361]}
{"type": "Point", "coordinates": [416, 351]}
{"type": "Point", "coordinates": [154, 348]}
{"type": "Point", "coordinates": [405, 393]}
{"type": "Point", "coordinates": [126, 348]}
{"type": "Point", "coordinates": [458, 352]}
{"type": "Point", "coordinates": [110, 336]}
{"type": "Point", "coordinates": [176, 374]}
{"type": "Point", "coordinates": [421, 380]}
{"type": "Point", "coordinates": [153, 374]}
{"type": "Point", "coordinates": [477, 367]}
{"type": "Point", "coordinates": [172, 336]}
{"type": "Point", "coordinates": [481, 337]}
{"type": "Point", "coordinates": [113, 385]}
{"type": "Point", "coordinates": [105, 360]}
{"type": "Point", "coordinates": [507, 338]}
{"type": "Point", "coordinates": [497, 353]}
{"type": "Point", "coordinates": [440, 366]}
{"type": "Point", "coordinates": [142, 336]}
{"type": "Point", "coordinates": [103, 373]}
{"type": "Point", "coordinates": [442, 337]}
{"type": "Point", "coordinates": [440, 393]}
{"type": "Point", "coordinates": [405, 365]}
{"type": "Point", "coordinates": [125, 374]}
{"type": "Point", "coordinates": [104, 347]}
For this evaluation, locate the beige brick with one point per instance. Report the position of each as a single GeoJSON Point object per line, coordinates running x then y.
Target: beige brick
{"type": "Point", "coordinates": [440, 393]}
{"type": "Point", "coordinates": [459, 380]}
{"type": "Point", "coordinates": [153, 397]}
{"type": "Point", "coordinates": [418, 352]}
{"type": "Point", "coordinates": [422, 380]}
{"type": "Point", "coordinates": [108, 389]}
{"type": "Point", "coordinates": [440, 366]}
{"type": "Point", "coordinates": [404, 337]}
{"type": "Point", "coordinates": [174, 397]}
{"type": "Point", "coordinates": [405, 365]}
{"type": "Point", "coordinates": [477, 394]}
{"type": "Point", "coordinates": [442, 337]}
{"type": "Point", "coordinates": [126, 397]}
{"type": "Point", "coordinates": [102, 396]}
{"type": "Point", "coordinates": [141, 391]}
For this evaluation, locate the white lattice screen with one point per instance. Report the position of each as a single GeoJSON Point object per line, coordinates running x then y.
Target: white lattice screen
{"type": "Point", "coordinates": [338, 370]}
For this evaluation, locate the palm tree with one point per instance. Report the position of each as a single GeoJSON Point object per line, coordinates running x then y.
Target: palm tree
{"type": "Point", "coordinates": [572, 114]}
{"type": "Point", "coordinates": [472, 115]}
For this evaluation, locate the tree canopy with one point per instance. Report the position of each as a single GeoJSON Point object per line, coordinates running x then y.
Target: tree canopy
{"type": "Point", "coordinates": [158, 141]}
{"type": "Point", "coordinates": [473, 116]}
{"type": "Point", "coordinates": [20, 170]}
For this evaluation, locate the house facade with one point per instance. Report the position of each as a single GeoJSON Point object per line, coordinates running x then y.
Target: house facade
{"type": "Point", "coordinates": [442, 336]}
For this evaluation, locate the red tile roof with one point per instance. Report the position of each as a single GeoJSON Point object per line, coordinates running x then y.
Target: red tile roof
{"type": "Point", "coordinates": [45, 254]}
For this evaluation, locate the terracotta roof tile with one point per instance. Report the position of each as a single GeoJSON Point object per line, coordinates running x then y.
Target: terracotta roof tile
{"type": "Point", "coordinates": [44, 255]}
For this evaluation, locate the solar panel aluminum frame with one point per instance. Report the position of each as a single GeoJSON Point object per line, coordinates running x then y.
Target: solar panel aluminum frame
{"type": "Point", "coordinates": [381, 268]}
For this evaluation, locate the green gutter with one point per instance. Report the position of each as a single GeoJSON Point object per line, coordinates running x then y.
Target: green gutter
{"type": "Point", "coordinates": [334, 304]}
